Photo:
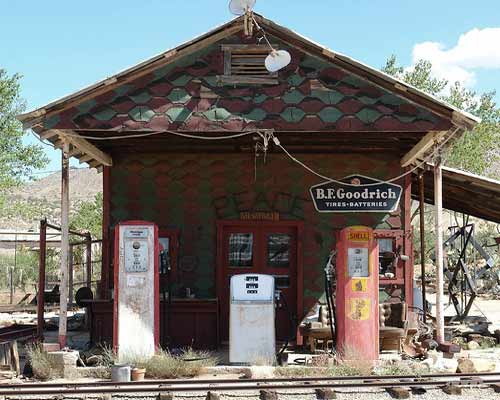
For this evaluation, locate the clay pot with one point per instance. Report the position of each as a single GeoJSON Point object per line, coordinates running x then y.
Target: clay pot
{"type": "Point", "coordinates": [137, 374]}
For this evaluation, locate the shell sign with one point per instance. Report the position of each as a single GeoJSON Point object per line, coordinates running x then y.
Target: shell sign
{"type": "Point", "coordinates": [358, 194]}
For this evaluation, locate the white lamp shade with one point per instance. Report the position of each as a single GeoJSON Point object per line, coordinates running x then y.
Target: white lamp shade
{"type": "Point", "coordinates": [277, 60]}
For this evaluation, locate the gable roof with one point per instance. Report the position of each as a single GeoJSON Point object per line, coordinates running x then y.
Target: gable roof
{"type": "Point", "coordinates": [457, 117]}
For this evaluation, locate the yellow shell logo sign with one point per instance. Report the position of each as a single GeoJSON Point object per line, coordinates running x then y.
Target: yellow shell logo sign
{"type": "Point", "coordinates": [359, 285]}
{"type": "Point", "coordinates": [358, 236]}
{"type": "Point", "coordinates": [358, 309]}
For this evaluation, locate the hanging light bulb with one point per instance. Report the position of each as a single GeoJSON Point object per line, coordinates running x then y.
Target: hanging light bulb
{"type": "Point", "coordinates": [277, 59]}
{"type": "Point", "coordinates": [240, 7]}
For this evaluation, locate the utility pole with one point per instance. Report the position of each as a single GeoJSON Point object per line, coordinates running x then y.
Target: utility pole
{"type": "Point", "coordinates": [438, 213]}
{"type": "Point", "coordinates": [63, 300]}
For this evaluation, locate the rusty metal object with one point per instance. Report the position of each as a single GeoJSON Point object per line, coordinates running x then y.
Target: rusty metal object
{"type": "Point", "coordinates": [17, 332]}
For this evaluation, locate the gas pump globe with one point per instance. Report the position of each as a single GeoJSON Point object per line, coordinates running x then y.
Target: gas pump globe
{"type": "Point", "coordinates": [357, 294]}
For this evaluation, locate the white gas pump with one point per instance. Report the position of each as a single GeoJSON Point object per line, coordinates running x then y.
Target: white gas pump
{"type": "Point", "coordinates": [252, 319]}
{"type": "Point", "coordinates": [136, 294]}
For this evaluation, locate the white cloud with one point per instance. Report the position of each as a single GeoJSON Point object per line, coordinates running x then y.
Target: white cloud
{"type": "Point", "coordinates": [475, 49]}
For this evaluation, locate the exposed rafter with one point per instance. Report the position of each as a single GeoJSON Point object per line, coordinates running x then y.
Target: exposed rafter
{"type": "Point", "coordinates": [427, 142]}
{"type": "Point", "coordinates": [83, 146]}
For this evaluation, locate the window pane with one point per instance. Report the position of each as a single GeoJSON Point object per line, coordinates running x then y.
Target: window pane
{"type": "Point", "coordinates": [240, 249]}
{"type": "Point", "coordinates": [278, 250]}
{"type": "Point", "coordinates": [384, 245]}
{"type": "Point", "coordinates": [387, 267]}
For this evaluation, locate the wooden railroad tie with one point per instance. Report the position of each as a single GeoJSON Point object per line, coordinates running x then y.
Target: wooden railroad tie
{"type": "Point", "coordinates": [398, 392]}
{"type": "Point", "coordinates": [452, 388]}
{"type": "Point", "coordinates": [495, 387]}
{"type": "Point", "coordinates": [212, 396]}
{"type": "Point", "coordinates": [165, 396]}
{"type": "Point", "coordinates": [325, 394]}
{"type": "Point", "coordinates": [268, 395]}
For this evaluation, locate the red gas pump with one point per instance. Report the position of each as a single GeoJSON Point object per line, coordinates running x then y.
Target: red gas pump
{"type": "Point", "coordinates": [357, 294]}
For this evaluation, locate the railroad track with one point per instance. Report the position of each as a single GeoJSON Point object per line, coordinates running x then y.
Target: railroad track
{"type": "Point", "coordinates": [233, 385]}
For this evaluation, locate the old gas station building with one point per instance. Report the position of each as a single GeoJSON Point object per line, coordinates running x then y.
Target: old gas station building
{"type": "Point", "coordinates": [186, 140]}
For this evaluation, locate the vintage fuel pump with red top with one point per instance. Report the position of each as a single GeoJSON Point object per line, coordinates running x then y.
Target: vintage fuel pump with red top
{"type": "Point", "coordinates": [357, 315]}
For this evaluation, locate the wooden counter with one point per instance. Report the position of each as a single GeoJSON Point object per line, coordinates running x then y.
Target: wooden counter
{"type": "Point", "coordinates": [187, 322]}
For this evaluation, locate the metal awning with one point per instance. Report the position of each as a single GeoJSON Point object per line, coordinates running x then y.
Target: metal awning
{"type": "Point", "coordinates": [463, 192]}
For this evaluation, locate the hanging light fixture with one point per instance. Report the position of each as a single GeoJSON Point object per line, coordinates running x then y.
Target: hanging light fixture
{"type": "Point", "coordinates": [277, 59]}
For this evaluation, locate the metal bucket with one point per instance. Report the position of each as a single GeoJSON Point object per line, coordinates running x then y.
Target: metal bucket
{"type": "Point", "coordinates": [120, 373]}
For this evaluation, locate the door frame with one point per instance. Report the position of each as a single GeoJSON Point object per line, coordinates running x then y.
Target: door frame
{"type": "Point", "coordinates": [219, 276]}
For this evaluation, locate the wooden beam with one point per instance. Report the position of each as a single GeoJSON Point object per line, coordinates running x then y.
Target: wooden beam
{"type": "Point", "coordinates": [86, 147]}
{"type": "Point", "coordinates": [63, 299]}
{"type": "Point", "coordinates": [74, 152]}
{"type": "Point", "coordinates": [439, 251]}
{"type": "Point", "coordinates": [47, 134]}
{"type": "Point", "coordinates": [85, 158]}
{"type": "Point", "coordinates": [94, 164]}
{"type": "Point", "coordinates": [422, 147]}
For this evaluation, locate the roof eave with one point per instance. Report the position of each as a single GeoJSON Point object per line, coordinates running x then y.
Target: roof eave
{"type": "Point", "coordinates": [457, 117]}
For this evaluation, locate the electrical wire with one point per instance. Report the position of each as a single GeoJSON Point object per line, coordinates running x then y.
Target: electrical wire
{"type": "Point", "coordinates": [42, 141]}
{"type": "Point", "coordinates": [418, 165]}
{"type": "Point", "coordinates": [176, 133]}
{"type": "Point", "coordinates": [265, 135]}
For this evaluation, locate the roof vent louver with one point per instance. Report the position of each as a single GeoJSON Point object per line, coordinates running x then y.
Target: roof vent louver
{"type": "Point", "coordinates": [245, 64]}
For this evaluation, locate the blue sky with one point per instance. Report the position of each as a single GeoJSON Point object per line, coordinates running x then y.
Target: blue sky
{"type": "Point", "coordinates": [62, 46]}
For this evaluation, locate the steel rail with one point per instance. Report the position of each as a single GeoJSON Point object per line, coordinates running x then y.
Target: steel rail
{"type": "Point", "coordinates": [250, 380]}
{"type": "Point", "coordinates": [194, 386]}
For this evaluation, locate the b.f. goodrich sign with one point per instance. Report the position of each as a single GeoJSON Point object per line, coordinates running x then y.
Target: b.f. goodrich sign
{"type": "Point", "coordinates": [355, 196]}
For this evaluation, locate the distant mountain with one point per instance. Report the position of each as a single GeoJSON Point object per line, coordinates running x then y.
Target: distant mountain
{"type": "Point", "coordinates": [26, 205]}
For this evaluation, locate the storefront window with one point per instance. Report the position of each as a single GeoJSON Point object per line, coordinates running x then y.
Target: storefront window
{"type": "Point", "coordinates": [278, 250]}
{"type": "Point", "coordinates": [240, 249]}
{"type": "Point", "coordinates": [386, 256]}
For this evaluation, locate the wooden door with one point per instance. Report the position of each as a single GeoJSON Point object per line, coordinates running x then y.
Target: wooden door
{"type": "Point", "coordinates": [264, 248]}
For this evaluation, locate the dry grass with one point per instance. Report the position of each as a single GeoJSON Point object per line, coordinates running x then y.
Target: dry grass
{"type": "Point", "coordinates": [41, 364]}
{"type": "Point", "coordinates": [165, 365]}
{"type": "Point", "coordinates": [300, 372]}
{"type": "Point", "coordinates": [401, 368]}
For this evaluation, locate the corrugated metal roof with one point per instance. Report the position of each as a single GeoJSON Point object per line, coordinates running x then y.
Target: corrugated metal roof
{"type": "Point", "coordinates": [463, 192]}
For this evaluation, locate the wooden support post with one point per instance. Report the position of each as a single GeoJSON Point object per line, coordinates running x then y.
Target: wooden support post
{"type": "Point", "coordinates": [41, 279]}
{"type": "Point", "coordinates": [88, 273]}
{"type": "Point", "coordinates": [70, 274]}
{"type": "Point", "coordinates": [422, 240]}
{"type": "Point", "coordinates": [88, 260]}
{"type": "Point", "coordinates": [438, 211]}
{"type": "Point", "coordinates": [63, 301]}
{"type": "Point", "coordinates": [11, 284]}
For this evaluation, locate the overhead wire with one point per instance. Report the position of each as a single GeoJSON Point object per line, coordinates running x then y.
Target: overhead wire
{"type": "Point", "coordinates": [265, 134]}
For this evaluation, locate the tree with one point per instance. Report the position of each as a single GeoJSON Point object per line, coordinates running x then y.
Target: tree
{"type": "Point", "coordinates": [88, 216]}
{"type": "Point", "coordinates": [477, 150]}
{"type": "Point", "coordinates": [17, 159]}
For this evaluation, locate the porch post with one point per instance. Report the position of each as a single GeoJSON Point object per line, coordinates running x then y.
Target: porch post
{"type": "Point", "coordinates": [63, 300]}
{"type": "Point", "coordinates": [422, 241]}
{"type": "Point", "coordinates": [41, 280]}
{"type": "Point", "coordinates": [438, 213]}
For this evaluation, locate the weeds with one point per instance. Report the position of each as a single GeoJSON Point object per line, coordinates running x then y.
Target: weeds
{"type": "Point", "coordinates": [187, 364]}
{"type": "Point", "coordinates": [42, 365]}
{"type": "Point", "coordinates": [400, 368]}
